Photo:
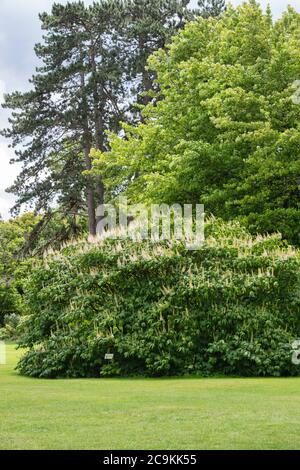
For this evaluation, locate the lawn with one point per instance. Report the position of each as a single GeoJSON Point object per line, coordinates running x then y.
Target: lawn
{"type": "Point", "coordinates": [147, 413]}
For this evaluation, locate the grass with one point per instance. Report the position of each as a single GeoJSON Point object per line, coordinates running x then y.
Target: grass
{"type": "Point", "coordinates": [147, 413]}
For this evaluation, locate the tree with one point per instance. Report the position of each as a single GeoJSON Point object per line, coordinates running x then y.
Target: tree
{"type": "Point", "coordinates": [223, 124]}
{"type": "Point", "coordinates": [91, 57]}
{"type": "Point", "coordinates": [229, 308]}
{"type": "Point", "coordinates": [149, 27]}
{"type": "Point", "coordinates": [13, 235]}
{"type": "Point", "coordinates": [76, 96]}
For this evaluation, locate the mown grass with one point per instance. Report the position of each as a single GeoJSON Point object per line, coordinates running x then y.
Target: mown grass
{"type": "Point", "coordinates": [147, 413]}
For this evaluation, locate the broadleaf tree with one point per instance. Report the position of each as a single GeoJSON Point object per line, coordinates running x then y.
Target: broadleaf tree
{"type": "Point", "coordinates": [224, 128]}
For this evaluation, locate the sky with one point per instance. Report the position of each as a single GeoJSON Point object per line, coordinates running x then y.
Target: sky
{"type": "Point", "coordinates": [19, 31]}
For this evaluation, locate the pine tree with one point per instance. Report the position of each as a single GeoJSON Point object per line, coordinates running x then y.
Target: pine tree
{"type": "Point", "coordinates": [150, 25]}
{"type": "Point", "coordinates": [211, 7]}
{"type": "Point", "coordinates": [71, 105]}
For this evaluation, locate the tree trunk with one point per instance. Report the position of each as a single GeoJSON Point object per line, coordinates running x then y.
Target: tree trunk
{"type": "Point", "coordinates": [88, 163]}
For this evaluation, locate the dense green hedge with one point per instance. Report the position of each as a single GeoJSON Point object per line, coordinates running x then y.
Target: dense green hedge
{"type": "Point", "coordinates": [232, 307]}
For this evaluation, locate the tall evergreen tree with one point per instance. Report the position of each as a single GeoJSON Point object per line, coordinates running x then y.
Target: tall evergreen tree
{"type": "Point", "coordinates": [226, 131]}
{"type": "Point", "coordinates": [211, 7]}
{"type": "Point", "coordinates": [71, 105]}
{"type": "Point", "coordinates": [91, 57]}
{"type": "Point", "coordinates": [150, 26]}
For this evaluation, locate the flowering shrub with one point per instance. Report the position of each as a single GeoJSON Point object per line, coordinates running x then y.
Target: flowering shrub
{"type": "Point", "coordinates": [232, 307]}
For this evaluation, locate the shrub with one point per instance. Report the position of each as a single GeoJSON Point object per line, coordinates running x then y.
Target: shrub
{"type": "Point", "coordinates": [232, 307]}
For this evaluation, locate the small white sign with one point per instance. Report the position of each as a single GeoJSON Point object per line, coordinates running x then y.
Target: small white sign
{"type": "Point", "coordinates": [2, 353]}
{"type": "Point", "coordinates": [109, 357]}
{"type": "Point", "coordinates": [296, 353]}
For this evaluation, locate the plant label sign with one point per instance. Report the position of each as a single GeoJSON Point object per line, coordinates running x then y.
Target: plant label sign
{"type": "Point", "coordinates": [108, 357]}
{"type": "Point", "coordinates": [2, 353]}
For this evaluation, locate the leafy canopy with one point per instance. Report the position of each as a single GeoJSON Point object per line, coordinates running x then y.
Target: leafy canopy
{"type": "Point", "coordinates": [223, 129]}
{"type": "Point", "coordinates": [231, 307]}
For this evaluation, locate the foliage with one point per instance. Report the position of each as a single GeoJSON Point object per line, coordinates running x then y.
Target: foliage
{"type": "Point", "coordinates": [211, 8]}
{"type": "Point", "coordinates": [224, 130]}
{"type": "Point", "coordinates": [9, 300]}
{"type": "Point", "coordinates": [58, 119]}
{"type": "Point", "coordinates": [13, 235]}
{"type": "Point", "coordinates": [91, 61]}
{"type": "Point", "coordinates": [19, 250]}
{"type": "Point", "coordinates": [231, 307]}
{"type": "Point", "coordinates": [218, 126]}
{"type": "Point", "coordinates": [167, 413]}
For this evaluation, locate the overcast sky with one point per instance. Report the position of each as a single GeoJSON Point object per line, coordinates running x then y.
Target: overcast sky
{"type": "Point", "coordinates": [19, 31]}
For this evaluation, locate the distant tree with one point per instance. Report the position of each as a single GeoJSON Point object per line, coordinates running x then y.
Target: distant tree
{"type": "Point", "coordinates": [150, 26]}
{"type": "Point", "coordinates": [93, 67]}
{"type": "Point", "coordinates": [226, 130]}
{"type": "Point", "coordinates": [211, 7]}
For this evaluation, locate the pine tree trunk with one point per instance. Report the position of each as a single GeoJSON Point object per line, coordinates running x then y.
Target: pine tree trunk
{"type": "Point", "coordinates": [90, 196]}
{"type": "Point", "coordinates": [88, 164]}
{"type": "Point", "coordinates": [99, 127]}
